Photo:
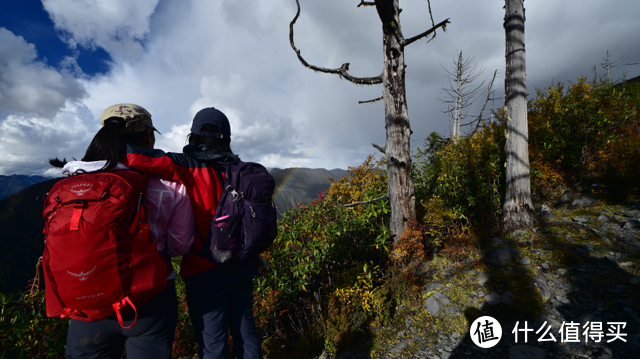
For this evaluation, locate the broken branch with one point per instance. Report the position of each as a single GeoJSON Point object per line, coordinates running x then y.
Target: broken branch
{"type": "Point", "coordinates": [367, 202]}
{"type": "Point", "coordinates": [342, 71]}
{"type": "Point", "coordinates": [371, 101]}
{"type": "Point", "coordinates": [442, 24]}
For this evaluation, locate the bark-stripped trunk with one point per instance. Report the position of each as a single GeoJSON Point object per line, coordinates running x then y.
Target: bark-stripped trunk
{"type": "Point", "coordinates": [518, 208]}
{"type": "Point", "coordinates": [398, 145]}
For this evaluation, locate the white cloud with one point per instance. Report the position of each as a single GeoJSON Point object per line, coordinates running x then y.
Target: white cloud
{"type": "Point", "coordinates": [27, 142]}
{"type": "Point", "coordinates": [28, 86]}
{"type": "Point", "coordinates": [118, 26]}
{"type": "Point", "coordinates": [176, 57]}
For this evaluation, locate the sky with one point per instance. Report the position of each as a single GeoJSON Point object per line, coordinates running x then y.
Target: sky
{"type": "Point", "coordinates": [62, 62]}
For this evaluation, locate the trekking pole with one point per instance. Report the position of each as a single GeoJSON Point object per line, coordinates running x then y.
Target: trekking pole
{"type": "Point", "coordinates": [36, 280]}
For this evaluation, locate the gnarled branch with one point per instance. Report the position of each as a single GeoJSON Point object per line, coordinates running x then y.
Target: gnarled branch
{"type": "Point", "coordinates": [371, 101]}
{"type": "Point", "coordinates": [386, 196]}
{"type": "Point", "coordinates": [380, 148]}
{"type": "Point", "coordinates": [442, 24]}
{"type": "Point", "coordinates": [342, 71]}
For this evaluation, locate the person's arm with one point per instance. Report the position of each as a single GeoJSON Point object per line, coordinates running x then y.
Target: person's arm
{"type": "Point", "coordinates": [157, 162]}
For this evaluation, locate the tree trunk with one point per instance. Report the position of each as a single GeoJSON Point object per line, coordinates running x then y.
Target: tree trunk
{"type": "Point", "coordinates": [398, 144]}
{"type": "Point", "coordinates": [518, 208]}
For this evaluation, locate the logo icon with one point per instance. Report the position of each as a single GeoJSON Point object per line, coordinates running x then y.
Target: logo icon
{"type": "Point", "coordinates": [82, 275]}
{"type": "Point", "coordinates": [81, 188]}
{"type": "Point", "coordinates": [486, 332]}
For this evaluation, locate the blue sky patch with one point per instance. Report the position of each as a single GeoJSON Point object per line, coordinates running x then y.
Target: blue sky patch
{"type": "Point", "coordinates": [27, 18]}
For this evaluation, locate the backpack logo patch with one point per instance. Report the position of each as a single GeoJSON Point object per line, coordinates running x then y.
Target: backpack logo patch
{"type": "Point", "coordinates": [82, 275]}
{"type": "Point", "coordinates": [81, 188]}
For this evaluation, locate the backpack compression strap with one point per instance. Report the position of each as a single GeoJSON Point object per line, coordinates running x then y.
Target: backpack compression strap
{"type": "Point", "coordinates": [119, 305]}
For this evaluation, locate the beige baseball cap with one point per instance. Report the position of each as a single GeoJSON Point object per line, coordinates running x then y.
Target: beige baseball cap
{"type": "Point", "coordinates": [135, 117]}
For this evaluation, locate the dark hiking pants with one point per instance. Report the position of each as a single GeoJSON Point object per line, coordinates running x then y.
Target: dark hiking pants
{"type": "Point", "coordinates": [151, 337]}
{"type": "Point", "coordinates": [221, 298]}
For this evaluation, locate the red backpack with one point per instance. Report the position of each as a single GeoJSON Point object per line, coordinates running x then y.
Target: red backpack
{"type": "Point", "coordinates": [97, 254]}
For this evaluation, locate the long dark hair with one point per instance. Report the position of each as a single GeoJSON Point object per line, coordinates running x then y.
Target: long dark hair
{"type": "Point", "coordinates": [220, 144]}
{"type": "Point", "coordinates": [108, 144]}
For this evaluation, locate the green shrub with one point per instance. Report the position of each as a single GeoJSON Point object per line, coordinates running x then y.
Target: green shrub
{"type": "Point", "coordinates": [25, 329]}
{"type": "Point", "coordinates": [327, 260]}
{"type": "Point", "coordinates": [580, 129]}
{"type": "Point", "coordinates": [467, 179]}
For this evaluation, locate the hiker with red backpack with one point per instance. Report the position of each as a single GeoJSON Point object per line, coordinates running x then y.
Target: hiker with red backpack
{"type": "Point", "coordinates": [109, 233]}
{"type": "Point", "coordinates": [235, 221]}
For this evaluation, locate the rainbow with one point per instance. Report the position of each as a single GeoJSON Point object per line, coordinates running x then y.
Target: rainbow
{"type": "Point", "coordinates": [306, 157]}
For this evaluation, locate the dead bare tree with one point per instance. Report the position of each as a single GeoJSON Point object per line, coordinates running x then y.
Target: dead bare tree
{"type": "Point", "coordinates": [517, 207]}
{"type": "Point", "coordinates": [461, 93]}
{"type": "Point", "coordinates": [398, 131]}
{"type": "Point", "coordinates": [608, 63]}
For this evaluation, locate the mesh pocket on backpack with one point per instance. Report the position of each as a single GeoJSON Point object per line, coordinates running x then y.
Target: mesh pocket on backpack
{"type": "Point", "coordinates": [226, 234]}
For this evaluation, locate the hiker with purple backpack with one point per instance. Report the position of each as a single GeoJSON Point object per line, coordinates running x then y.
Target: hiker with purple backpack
{"type": "Point", "coordinates": [235, 221]}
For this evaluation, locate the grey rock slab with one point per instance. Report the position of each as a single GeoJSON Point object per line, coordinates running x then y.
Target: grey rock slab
{"type": "Point", "coordinates": [482, 278]}
{"type": "Point", "coordinates": [432, 306]}
{"type": "Point", "coordinates": [398, 348]}
{"type": "Point", "coordinates": [453, 311]}
{"type": "Point", "coordinates": [445, 355]}
{"type": "Point", "coordinates": [632, 213]}
{"type": "Point", "coordinates": [586, 200]}
{"type": "Point", "coordinates": [436, 302]}
{"type": "Point", "coordinates": [408, 321]}
{"type": "Point", "coordinates": [565, 199]}
{"type": "Point", "coordinates": [542, 207]}
{"type": "Point", "coordinates": [561, 271]}
{"type": "Point", "coordinates": [545, 266]}
{"type": "Point", "coordinates": [544, 211]}
{"type": "Point", "coordinates": [443, 299]}
{"type": "Point", "coordinates": [581, 219]}
{"type": "Point", "coordinates": [632, 224]}
{"type": "Point", "coordinates": [525, 261]}
{"type": "Point", "coordinates": [433, 286]}
{"type": "Point", "coordinates": [500, 255]}
{"type": "Point", "coordinates": [603, 218]}
{"type": "Point", "coordinates": [562, 300]}
{"type": "Point", "coordinates": [493, 298]}
{"type": "Point", "coordinates": [526, 352]}
{"type": "Point", "coordinates": [541, 283]}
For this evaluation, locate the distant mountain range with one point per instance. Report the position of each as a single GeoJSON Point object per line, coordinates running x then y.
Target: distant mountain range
{"type": "Point", "coordinates": [21, 220]}
{"type": "Point", "coordinates": [15, 183]}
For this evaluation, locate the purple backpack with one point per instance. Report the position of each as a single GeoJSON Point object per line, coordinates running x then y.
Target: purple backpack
{"type": "Point", "coordinates": [245, 223]}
